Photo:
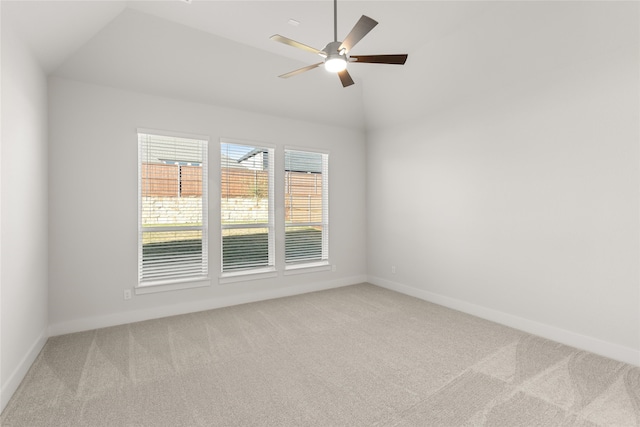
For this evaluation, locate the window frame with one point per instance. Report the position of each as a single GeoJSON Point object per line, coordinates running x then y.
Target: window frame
{"type": "Point", "coordinates": [258, 272]}
{"type": "Point", "coordinates": [179, 282]}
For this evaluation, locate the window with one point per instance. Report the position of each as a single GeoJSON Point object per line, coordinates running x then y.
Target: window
{"type": "Point", "coordinates": [306, 208]}
{"type": "Point", "coordinates": [247, 220]}
{"type": "Point", "coordinates": [172, 218]}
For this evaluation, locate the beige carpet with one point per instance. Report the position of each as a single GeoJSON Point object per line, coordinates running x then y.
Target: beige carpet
{"type": "Point", "coordinates": [358, 356]}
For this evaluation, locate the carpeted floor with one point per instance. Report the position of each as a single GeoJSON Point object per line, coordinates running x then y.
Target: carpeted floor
{"type": "Point", "coordinates": [357, 356]}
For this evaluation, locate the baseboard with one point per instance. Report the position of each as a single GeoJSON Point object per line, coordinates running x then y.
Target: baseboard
{"type": "Point", "coordinates": [115, 319]}
{"type": "Point", "coordinates": [573, 339]}
{"type": "Point", "coordinates": [11, 385]}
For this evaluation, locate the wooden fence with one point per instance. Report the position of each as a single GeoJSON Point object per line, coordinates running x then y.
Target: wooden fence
{"type": "Point", "coordinates": [303, 191]}
{"type": "Point", "coordinates": [243, 183]}
{"type": "Point", "coordinates": [175, 181]}
{"type": "Point", "coordinates": [171, 180]}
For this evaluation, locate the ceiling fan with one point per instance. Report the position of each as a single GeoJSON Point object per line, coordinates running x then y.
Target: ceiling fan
{"type": "Point", "coordinates": [336, 53]}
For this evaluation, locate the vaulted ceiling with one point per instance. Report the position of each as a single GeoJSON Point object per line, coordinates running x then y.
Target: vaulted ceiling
{"type": "Point", "coordinates": [219, 52]}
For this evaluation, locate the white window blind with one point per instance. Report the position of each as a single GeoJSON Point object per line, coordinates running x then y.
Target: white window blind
{"type": "Point", "coordinates": [247, 220]}
{"type": "Point", "coordinates": [306, 207]}
{"type": "Point", "coordinates": [172, 189]}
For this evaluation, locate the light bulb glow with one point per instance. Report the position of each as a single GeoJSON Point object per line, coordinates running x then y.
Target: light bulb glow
{"type": "Point", "coordinates": [335, 64]}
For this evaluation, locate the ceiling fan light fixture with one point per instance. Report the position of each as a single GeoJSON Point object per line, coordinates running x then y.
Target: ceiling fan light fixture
{"type": "Point", "coordinates": [335, 64]}
{"type": "Point", "coordinates": [336, 59]}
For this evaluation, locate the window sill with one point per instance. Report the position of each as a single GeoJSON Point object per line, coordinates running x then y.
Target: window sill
{"type": "Point", "coordinates": [164, 286]}
{"type": "Point", "coordinates": [311, 267]}
{"type": "Point", "coordinates": [243, 276]}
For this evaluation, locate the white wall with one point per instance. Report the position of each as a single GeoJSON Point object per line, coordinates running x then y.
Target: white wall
{"type": "Point", "coordinates": [23, 260]}
{"type": "Point", "coordinates": [93, 202]}
{"type": "Point", "coordinates": [521, 205]}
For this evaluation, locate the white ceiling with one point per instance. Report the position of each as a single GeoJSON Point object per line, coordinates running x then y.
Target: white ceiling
{"type": "Point", "coordinates": [403, 25]}
{"type": "Point", "coordinates": [219, 52]}
{"type": "Point", "coordinates": [56, 28]}
{"type": "Point", "coordinates": [126, 44]}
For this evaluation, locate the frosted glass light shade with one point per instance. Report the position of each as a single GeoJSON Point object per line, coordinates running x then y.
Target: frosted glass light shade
{"type": "Point", "coordinates": [335, 64]}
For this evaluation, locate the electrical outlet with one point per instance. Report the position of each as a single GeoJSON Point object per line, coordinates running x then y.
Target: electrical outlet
{"type": "Point", "coordinates": [393, 269]}
{"type": "Point", "coordinates": [334, 268]}
{"type": "Point", "coordinates": [127, 294]}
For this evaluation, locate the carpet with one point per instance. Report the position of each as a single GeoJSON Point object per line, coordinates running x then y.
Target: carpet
{"type": "Point", "coordinates": [353, 356]}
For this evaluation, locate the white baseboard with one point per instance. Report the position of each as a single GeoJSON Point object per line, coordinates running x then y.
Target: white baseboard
{"type": "Point", "coordinates": [573, 339]}
{"type": "Point", "coordinates": [11, 385]}
{"type": "Point", "coordinates": [114, 319]}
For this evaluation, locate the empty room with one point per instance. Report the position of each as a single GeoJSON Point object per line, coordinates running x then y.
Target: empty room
{"type": "Point", "coordinates": [320, 213]}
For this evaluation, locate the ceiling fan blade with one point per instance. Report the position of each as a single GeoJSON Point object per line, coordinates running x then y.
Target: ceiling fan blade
{"type": "Point", "coordinates": [379, 59]}
{"type": "Point", "coordinates": [300, 70]}
{"type": "Point", "coordinates": [345, 78]}
{"type": "Point", "coordinates": [288, 41]}
{"type": "Point", "coordinates": [361, 29]}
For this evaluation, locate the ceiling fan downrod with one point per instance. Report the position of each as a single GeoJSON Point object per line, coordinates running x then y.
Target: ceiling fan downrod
{"type": "Point", "coordinates": [335, 20]}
